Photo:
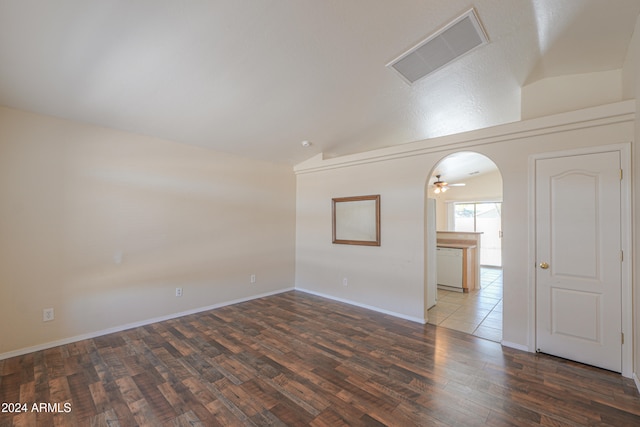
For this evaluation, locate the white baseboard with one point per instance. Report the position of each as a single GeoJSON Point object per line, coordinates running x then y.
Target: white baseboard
{"type": "Point", "coordinates": [636, 380]}
{"type": "Point", "coordinates": [514, 345]}
{"type": "Point", "coordinates": [121, 328]}
{"type": "Point", "coordinates": [368, 307]}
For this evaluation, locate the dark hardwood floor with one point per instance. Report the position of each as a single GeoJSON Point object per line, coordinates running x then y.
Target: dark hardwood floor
{"type": "Point", "coordinates": [296, 359]}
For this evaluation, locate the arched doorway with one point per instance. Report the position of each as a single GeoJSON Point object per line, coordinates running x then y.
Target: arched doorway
{"type": "Point", "coordinates": [464, 194]}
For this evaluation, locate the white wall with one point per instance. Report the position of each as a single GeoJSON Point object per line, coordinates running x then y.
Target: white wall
{"type": "Point", "coordinates": [381, 277]}
{"type": "Point", "coordinates": [103, 225]}
{"type": "Point", "coordinates": [631, 67]}
{"type": "Point", "coordinates": [568, 93]}
{"type": "Point", "coordinates": [391, 277]}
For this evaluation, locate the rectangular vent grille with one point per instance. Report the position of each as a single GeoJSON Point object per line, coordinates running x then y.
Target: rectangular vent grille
{"type": "Point", "coordinates": [456, 39]}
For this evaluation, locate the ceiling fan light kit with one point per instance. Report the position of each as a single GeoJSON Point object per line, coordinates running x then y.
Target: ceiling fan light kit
{"type": "Point", "coordinates": [439, 190]}
{"type": "Point", "coordinates": [440, 186]}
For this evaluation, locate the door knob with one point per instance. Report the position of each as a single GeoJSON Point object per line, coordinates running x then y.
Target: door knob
{"type": "Point", "coordinates": [544, 265]}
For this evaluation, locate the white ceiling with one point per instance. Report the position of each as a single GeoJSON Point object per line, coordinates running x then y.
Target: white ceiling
{"type": "Point", "coordinates": [457, 167]}
{"type": "Point", "coordinates": [256, 78]}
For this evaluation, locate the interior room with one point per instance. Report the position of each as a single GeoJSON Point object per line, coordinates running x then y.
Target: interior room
{"type": "Point", "coordinates": [319, 213]}
{"type": "Point", "coordinates": [468, 288]}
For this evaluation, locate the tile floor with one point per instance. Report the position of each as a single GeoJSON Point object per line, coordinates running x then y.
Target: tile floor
{"type": "Point", "coordinates": [478, 312]}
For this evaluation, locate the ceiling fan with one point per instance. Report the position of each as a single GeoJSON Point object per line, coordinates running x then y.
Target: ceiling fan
{"type": "Point", "coordinates": [440, 186]}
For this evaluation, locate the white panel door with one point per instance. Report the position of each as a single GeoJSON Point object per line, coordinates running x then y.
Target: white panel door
{"type": "Point", "coordinates": [578, 250]}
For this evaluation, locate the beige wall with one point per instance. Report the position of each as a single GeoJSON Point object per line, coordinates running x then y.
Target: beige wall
{"type": "Point", "coordinates": [103, 225]}
{"type": "Point", "coordinates": [391, 277]}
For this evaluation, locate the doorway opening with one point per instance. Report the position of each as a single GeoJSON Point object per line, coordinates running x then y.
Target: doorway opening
{"type": "Point", "coordinates": [463, 214]}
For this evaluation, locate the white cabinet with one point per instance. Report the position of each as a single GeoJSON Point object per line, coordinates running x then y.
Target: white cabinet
{"type": "Point", "coordinates": [450, 268]}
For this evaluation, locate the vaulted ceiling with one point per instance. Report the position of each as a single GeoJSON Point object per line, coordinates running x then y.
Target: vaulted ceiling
{"type": "Point", "coordinates": [257, 77]}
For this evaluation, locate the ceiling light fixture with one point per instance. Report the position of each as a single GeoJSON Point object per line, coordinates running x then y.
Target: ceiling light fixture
{"type": "Point", "coordinates": [440, 186]}
{"type": "Point", "coordinates": [305, 144]}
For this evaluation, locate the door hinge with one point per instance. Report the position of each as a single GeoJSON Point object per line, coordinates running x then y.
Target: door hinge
{"type": "Point", "coordinates": [622, 337]}
{"type": "Point", "coordinates": [621, 256]}
{"type": "Point", "coordinates": [620, 174]}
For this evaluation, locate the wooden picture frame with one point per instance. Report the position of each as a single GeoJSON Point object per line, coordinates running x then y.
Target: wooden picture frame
{"type": "Point", "coordinates": [356, 220]}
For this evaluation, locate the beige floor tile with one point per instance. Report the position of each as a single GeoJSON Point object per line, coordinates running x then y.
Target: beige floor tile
{"type": "Point", "coordinates": [492, 323]}
{"type": "Point", "coordinates": [478, 312]}
{"type": "Point", "coordinates": [447, 306]}
{"type": "Point", "coordinates": [454, 298]}
{"type": "Point", "coordinates": [473, 311]}
{"type": "Point", "coordinates": [436, 318]}
{"type": "Point", "coordinates": [461, 326]}
{"type": "Point", "coordinates": [488, 333]}
{"type": "Point", "coordinates": [490, 293]}
{"type": "Point", "coordinates": [467, 317]}
{"type": "Point", "coordinates": [494, 315]}
{"type": "Point", "coordinates": [481, 303]}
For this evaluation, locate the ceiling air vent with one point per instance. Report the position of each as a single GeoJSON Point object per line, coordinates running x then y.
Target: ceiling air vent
{"type": "Point", "coordinates": [457, 38]}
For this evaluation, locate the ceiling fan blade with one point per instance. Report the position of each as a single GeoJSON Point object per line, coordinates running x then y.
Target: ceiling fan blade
{"type": "Point", "coordinates": [461, 184]}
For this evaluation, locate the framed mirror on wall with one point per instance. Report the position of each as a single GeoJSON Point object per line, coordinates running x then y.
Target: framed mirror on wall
{"type": "Point", "coordinates": [356, 220]}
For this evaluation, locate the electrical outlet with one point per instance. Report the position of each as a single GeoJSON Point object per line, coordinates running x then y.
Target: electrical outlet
{"type": "Point", "coordinates": [253, 278]}
{"type": "Point", "coordinates": [178, 292]}
{"type": "Point", "coordinates": [47, 315]}
{"type": "Point", "coordinates": [345, 282]}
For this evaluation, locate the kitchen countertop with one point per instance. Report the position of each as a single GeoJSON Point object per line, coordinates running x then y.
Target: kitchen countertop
{"type": "Point", "coordinates": [456, 245]}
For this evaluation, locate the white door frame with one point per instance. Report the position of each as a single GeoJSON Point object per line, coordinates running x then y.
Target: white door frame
{"type": "Point", "coordinates": [626, 242]}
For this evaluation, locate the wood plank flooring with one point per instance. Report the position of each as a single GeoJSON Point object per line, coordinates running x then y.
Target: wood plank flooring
{"type": "Point", "coordinates": [296, 359]}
